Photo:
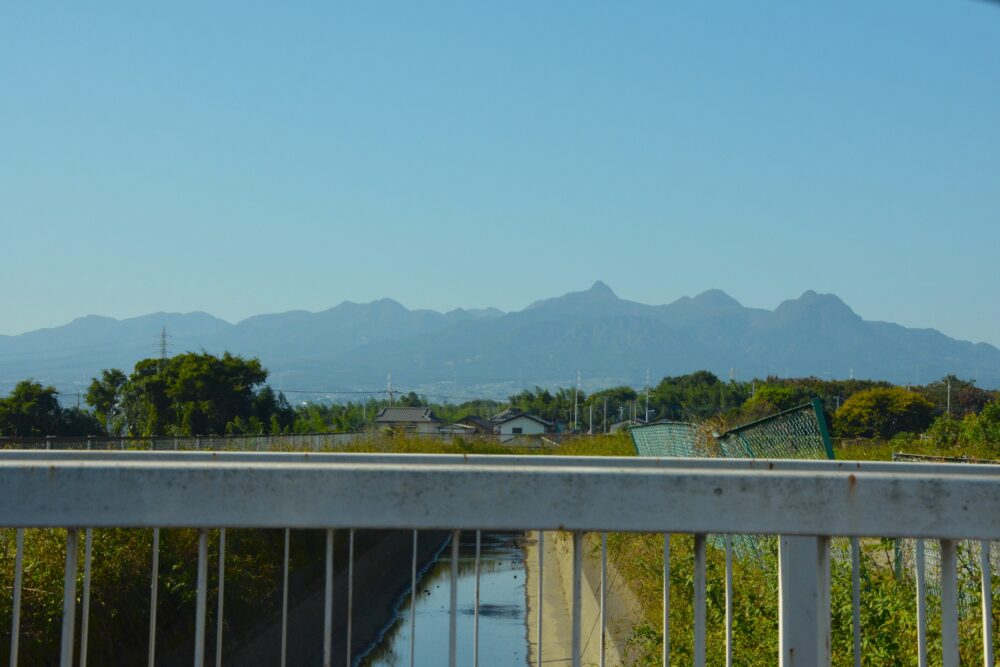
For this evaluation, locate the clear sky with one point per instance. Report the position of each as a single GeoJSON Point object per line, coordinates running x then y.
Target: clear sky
{"type": "Point", "coordinates": [250, 157]}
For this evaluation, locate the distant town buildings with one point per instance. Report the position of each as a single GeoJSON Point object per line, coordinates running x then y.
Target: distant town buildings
{"type": "Point", "coordinates": [505, 427]}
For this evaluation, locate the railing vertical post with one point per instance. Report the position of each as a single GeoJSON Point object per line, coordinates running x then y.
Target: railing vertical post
{"type": "Point", "coordinates": [15, 620]}
{"type": "Point", "coordinates": [804, 599]}
{"type": "Point", "coordinates": [949, 604]}
{"type": "Point", "coordinates": [577, 619]}
{"type": "Point", "coordinates": [856, 598]}
{"type": "Point", "coordinates": [729, 601]}
{"type": "Point", "coordinates": [350, 592]}
{"type": "Point", "coordinates": [219, 622]}
{"type": "Point", "coordinates": [541, 592]}
{"type": "Point", "coordinates": [699, 600]}
{"type": "Point", "coordinates": [69, 598]}
{"type": "Point", "coordinates": [666, 600]}
{"type": "Point", "coordinates": [987, 592]}
{"type": "Point", "coordinates": [199, 622]}
{"type": "Point", "coordinates": [604, 593]}
{"type": "Point", "coordinates": [475, 618]}
{"type": "Point", "coordinates": [85, 611]}
{"type": "Point", "coordinates": [154, 588]}
{"type": "Point", "coordinates": [328, 603]}
{"type": "Point", "coordinates": [413, 603]}
{"type": "Point", "coordinates": [921, 604]}
{"type": "Point", "coordinates": [453, 613]}
{"type": "Point", "coordinates": [284, 603]}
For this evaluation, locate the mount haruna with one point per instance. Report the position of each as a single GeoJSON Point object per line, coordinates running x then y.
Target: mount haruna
{"type": "Point", "coordinates": [491, 354]}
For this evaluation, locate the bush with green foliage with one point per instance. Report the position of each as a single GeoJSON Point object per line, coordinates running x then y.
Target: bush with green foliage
{"type": "Point", "coordinates": [882, 413]}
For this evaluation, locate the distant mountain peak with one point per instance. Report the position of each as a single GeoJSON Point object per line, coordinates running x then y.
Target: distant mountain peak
{"type": "Point", "coordinates": [717, 299]}
{"type": "Point", "coordinates": [600, 288]}
{"type": "Point", "coordinates": [814, 302]}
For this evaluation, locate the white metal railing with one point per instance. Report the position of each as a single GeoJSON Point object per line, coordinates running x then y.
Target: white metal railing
{"type": "Point", "coordinates": [804, 502]}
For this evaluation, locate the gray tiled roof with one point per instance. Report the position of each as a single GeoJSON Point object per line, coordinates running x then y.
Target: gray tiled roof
{"type": "Point", "coordinates": [406, 415]}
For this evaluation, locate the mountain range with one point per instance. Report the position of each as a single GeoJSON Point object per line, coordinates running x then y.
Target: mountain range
{"type": "Point", "coordinates": [489, 353]}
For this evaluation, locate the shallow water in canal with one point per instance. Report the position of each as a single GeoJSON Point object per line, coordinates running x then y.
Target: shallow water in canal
{"type": "Point", "coordinates": [502, 609]}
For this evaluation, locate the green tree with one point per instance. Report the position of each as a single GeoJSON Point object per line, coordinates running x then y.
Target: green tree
{"type": "Point", "coordinates": [105, 396]}
{"type": "Point", "coordinates": [882, 413]}
{"type": "Point", "coordinates": [965, 396]}
{"type": "Point", "coordinates": [30, 410]}
{"type": "Point", "coordinates": [201, 394]}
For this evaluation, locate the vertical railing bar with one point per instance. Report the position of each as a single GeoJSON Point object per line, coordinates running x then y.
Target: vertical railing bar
{"type": "Point", "coordinates": [604, 594]}
{"type": "Point", "coordinates": [350, 592]}
{"type": "Point", "coordinates": [729, 601]}
{"type": "Point", "coordinates": [453, 613]}
{"type": "Point", "coordinates": [666, 600]}
{"type": "Point", "coordinates": [413, 603]}
{"type": "Point", "coordinates": [219, 618]}
{"type": "Point", "coordinates": [699, 600]}
{"type": "Point", "coordinates": [199, 624]}
{"type": "Point", "coordinates": [823, 629]}
{"type": "Point", "coordinates": [85, 611]}
{"type": "Point", "coordinates": [921, 604]}
{"type": "Point", "coordinates": [577, 619]}
{"type": "Point", "coordinates": [154, 589]}
{"type": "Point", "coordinates": [475, 612]}
{"type": "Point", "coordinates": [15, 617]}
{"type": "Point", "coordinates": [328, 603]}
{"type": "Point", "coordinates": [69, 598]}
{"type": "Point", "coordinates": [856, 598]}
{"type": "Point", "coordinates": [987, 594]}
{"type": "Point", "coordinates": [949, 604]}
{"type": "Point", "coordinates": [284, 602]}
{"type": "Point", "coordinates": [541, 574]}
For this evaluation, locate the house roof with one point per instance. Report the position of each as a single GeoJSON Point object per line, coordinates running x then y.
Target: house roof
{"type": "Point", "coordinates": [513, 413]}
{"type": "Point", "coordinates": [474, 420]}
{"type": "Point", "coordinates": [464, 428]}
{"type": "Point", "coordinates": [408, 415]}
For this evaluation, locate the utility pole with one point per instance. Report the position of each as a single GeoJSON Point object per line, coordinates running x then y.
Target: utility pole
{"type": "Point", "coordinates": [645, 415]}
{"type": "Point", "coordinates": [605, 414]}
{"type": "Point", "coordinates": [576, 394]}
{"type": "Point", "coordinates": [949, 397]}
{"type": "Point", "coordinates": [388, 389]}
{"type": "Point", "coordinates": [590, 428]}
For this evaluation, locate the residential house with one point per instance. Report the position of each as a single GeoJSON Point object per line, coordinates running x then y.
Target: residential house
{"type": "Point", "coordinates": [512, 423]}
{"type": "Point", "coordinates": [408, 420]}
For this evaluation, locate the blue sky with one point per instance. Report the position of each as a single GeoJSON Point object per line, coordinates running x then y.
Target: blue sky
{"type": "Point", "coordinates": [241, 158]}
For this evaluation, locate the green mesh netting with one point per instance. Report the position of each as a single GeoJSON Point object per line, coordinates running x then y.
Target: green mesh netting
{"type": "Point", "coordinates": [799, 433]}
{"type": "Point", "coordinates": [674, 439]}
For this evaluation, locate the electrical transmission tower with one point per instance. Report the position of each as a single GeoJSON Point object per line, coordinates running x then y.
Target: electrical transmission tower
{"type": "Point", "coordinates": [163, 345]}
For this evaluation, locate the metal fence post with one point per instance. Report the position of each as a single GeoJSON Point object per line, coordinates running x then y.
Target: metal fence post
{"type": "Point", "coordinates": [804, 599]}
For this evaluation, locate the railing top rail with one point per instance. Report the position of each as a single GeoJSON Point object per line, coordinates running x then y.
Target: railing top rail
{"type": "Point", "coordinates": [505, 493]}
{"type": "Point", "coordinates": [665, 463]}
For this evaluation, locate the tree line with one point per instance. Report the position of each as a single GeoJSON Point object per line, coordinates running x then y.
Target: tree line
{"type": "Point", "coordinates": [204, 394]}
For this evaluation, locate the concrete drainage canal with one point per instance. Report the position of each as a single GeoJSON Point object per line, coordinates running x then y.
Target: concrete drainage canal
{"type": "Point", "coordinates": [502, 608]}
